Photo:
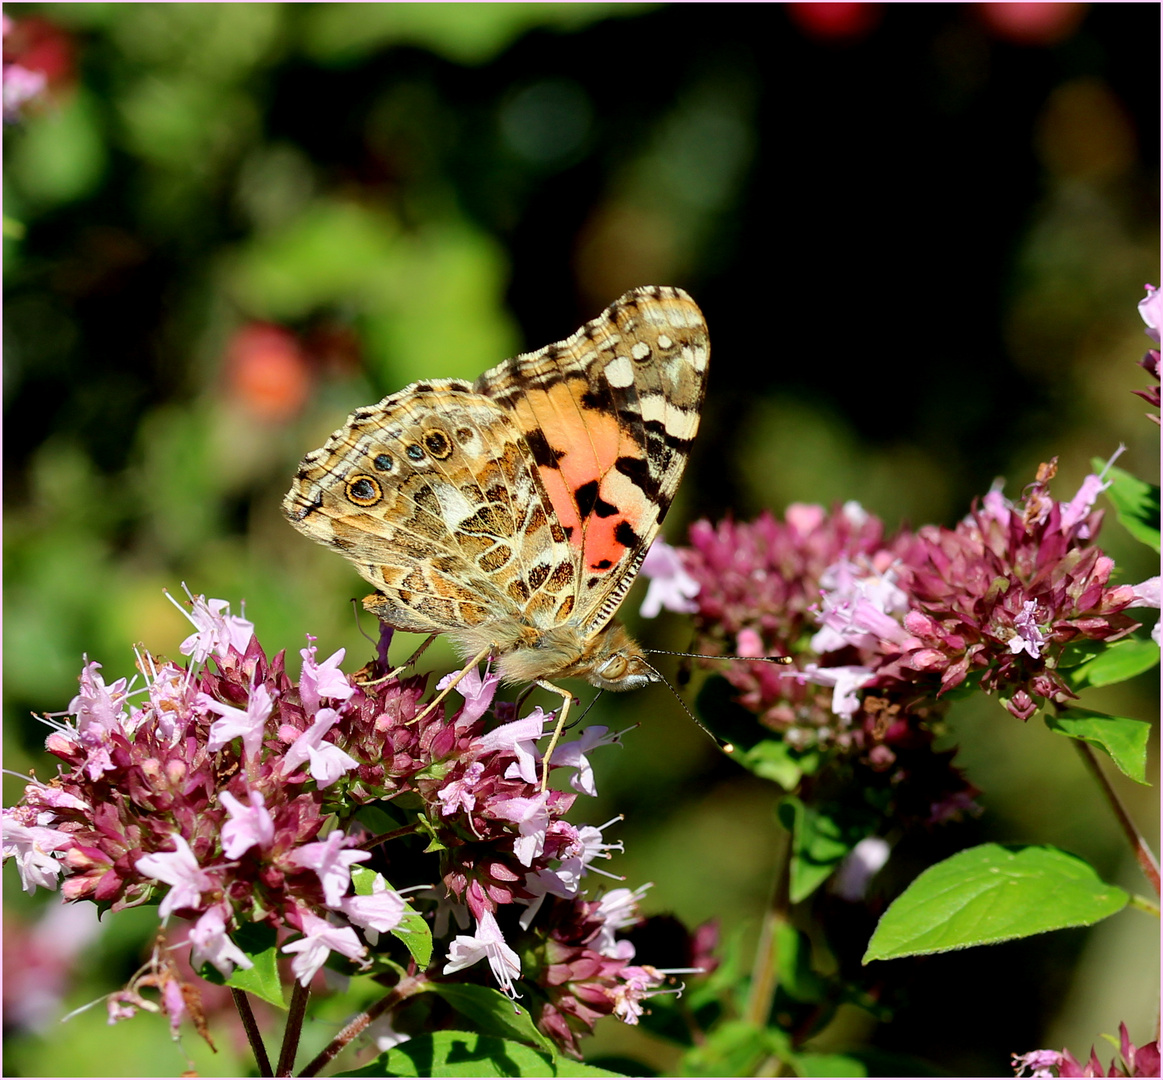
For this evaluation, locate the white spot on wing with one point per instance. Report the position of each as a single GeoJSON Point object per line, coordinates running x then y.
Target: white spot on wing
{"type": "Point", "coordinates": [619, 372]}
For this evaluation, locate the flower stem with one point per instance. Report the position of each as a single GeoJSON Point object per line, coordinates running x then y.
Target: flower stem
{"type": "Point", "coordinates": [404, 989]}
{"type": "Point", "coordinates": [1143, 904]}
{"type": "Point", "coordinates": [254, 1036]}
{"type": "Point", "coordinates": [294, 1029]}
{"type": "Point", "coordinates": [383, 838]}
{"type": "Point", "coordinates": [764, 972]}
{"type": "Point", "coordinates": [1146, 858]}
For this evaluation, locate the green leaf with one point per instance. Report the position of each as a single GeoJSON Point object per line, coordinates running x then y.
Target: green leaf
{"type": "Point", "coordinates": [773, 759]}
{"type": "Point", "coordinates": [492, 1013]}
{"type": "Point", "coordinates": [1124, 739]}
{"type": "Point", "coordinates": [260, 944]}
{"type": "Point", "coordinates": [797, 978]}
{"type": "Point", "coordinates": [1136, 503]}
{"type": "Point", "coordinates": [735, 1048]}
{"type": "Point", "coordinates": [866, 1062]}
{"type": "Point", "coordinates": [829, 1065]}
{"type": "Point", "coordinates": [756, 749]}
{"type": "Point", "coordinates": [1117, 662]}
{"type": "Point", "coordinates": [821, 836]}
{"type": "Point", "coordinates": [412, 930]}
{"type": "Point", "coordinates": [1076, 653]}
{"type": "Point", "coordinates": [568, 1067]}
{"type": "Point", "coordinates": [992, 893]}
{"type": "Point", "coordinates": [459, 1053]}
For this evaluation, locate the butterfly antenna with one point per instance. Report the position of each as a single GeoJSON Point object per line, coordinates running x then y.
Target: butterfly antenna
{"type": "Point", "coordinates": [723, 744]}
{"type": "Point", "coordinates": [355, 611]}
{"type": "Point", "coordinates": [587, 709]}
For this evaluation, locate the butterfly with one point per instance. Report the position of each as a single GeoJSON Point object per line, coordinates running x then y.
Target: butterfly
{"type": "Point", "coordinates": [513, 513]}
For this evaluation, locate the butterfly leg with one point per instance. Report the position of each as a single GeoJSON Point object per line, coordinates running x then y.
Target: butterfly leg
{"type": "Point", "coordinates": [452, 685]}
{"type": "Point", "coordinates": [566, 702]}
{"type": "Point", "coordinates": [394, 673]}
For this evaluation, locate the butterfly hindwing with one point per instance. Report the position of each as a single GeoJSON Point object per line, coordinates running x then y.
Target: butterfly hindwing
{"type": "Point", "coordinates": [431, 498]}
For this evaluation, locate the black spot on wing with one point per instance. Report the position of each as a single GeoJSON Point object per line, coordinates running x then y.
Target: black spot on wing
{"type": "Point", "coordinates": [636, 469]}
{"type": "Point", "coordinates": [626, 536]}
{"type": "Point", "coordinates": [589, 502]}
{"type": "Point", "coordinates": [542, 452]}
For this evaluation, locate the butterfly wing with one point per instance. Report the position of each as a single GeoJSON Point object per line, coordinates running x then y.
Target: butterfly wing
{"type": "Point", "coordinates": [431, 496]}
{"type": "Point", "coordinates": [608, 416]}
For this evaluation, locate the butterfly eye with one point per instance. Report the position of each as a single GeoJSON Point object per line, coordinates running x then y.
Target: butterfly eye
{"type": "Point", "coordinates": [364, 491]}
{"type": "Point", "coordinates": [615, 667]}
{"type": "Point", "coordinates": [383, 462]}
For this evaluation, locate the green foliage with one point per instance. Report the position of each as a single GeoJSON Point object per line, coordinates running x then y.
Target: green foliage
{"type": "Point", "coordinates": [492, 1013]}
{"type": "Point", "coordinates": [1104, 665]}
{"type": "Point", "coordinates": [1124, 739]}
{"type": "Point", "coordinates": [1136, 504]}
{"type": "Point", "coordinates": [260, 944]}
{"type": "Point", "coordinates": [413, 929]}
{"type": "Point", "coordinates": [821, 836]}
{"type": "Point", "coordinates": [459, 1053]}
{"type": "Point", "coordinates": [992, 893]}
{"type": "Point", "coordinates": [755, 748]}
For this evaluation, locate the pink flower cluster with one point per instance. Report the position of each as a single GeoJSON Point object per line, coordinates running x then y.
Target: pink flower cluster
{"type": "Point", "coordinates": [1151, 308]}
{"type": "Point", "coordinates": [217, 788]}
{"type": "Point", "coordinates": [1003, 593]}
{"type": "Point", "coordinates": [1132, 1061]}
{"type": "Point", "coordinates": [881, 628]}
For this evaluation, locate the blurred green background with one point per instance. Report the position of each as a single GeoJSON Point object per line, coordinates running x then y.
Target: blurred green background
{"type": "Point", "coordinates": [918, 233]}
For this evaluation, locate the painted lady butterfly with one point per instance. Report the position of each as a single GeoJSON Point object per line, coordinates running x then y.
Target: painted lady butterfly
{"type": "Point", "coordinates": [512, 514]}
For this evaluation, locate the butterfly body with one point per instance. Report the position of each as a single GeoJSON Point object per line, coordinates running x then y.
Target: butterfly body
{"type": "Point", "coordinates": [513, 513]}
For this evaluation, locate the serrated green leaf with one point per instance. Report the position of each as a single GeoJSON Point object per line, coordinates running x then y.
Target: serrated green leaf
{"type": "Point", "coordinates": [1136, 503]}
{"type": "Point", "coordinates": [459, 1053]}
{"type": "Point", "coordinates": [416, 934]}
{"type": "Point", "coordinates": [413, 930]}
{"type": "Point", "coordinates": [1124, 739]}
{"type": "Point", "coordinates": [492, 1013]}
{"type": "Point", "coordinates": [1117, 662]}
{"type": "Point", "coordinates": [260, 944]}
{"type": "Point", "coordinates": [992, 893]}
{"type": "Point", "coordinates": [821, 836]}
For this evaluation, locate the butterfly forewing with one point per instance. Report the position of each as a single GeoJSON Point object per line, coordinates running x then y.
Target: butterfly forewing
{"type": "Point", "coordinates": [609, 415]}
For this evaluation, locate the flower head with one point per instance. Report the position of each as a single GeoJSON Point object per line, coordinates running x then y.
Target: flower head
{"type": "Point", "coordinates": [1132, 1061]}
{"type": "Point", "coordinates": [229, 793]}
{"type": "Point", "coordinates": [671, 587]}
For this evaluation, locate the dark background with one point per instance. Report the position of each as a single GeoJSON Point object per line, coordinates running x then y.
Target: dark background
{"type": "Point", "coordinates": [918, 233]}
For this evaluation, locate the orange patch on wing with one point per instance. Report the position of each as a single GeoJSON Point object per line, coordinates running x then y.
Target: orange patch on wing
{"type": "Point", "coordinates": [564, 506]}
{"type": "Point", "coordinates": [603, 549]}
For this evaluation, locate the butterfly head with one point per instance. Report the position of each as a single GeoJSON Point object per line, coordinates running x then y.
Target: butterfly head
{"type": "Point", "coordinates": [614, 661]}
